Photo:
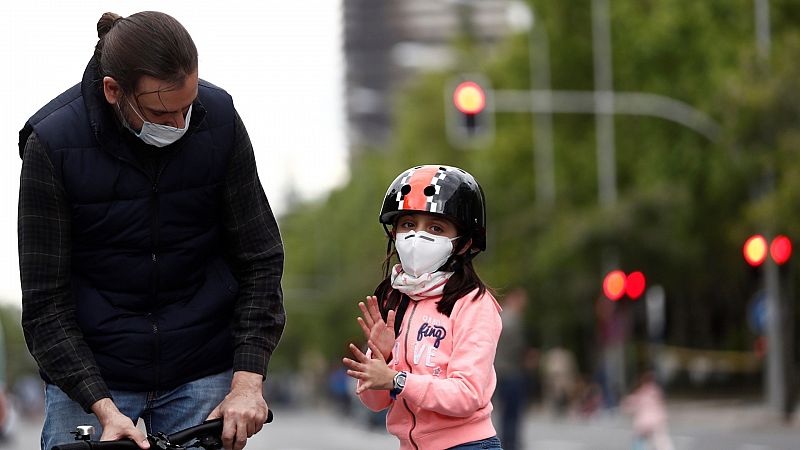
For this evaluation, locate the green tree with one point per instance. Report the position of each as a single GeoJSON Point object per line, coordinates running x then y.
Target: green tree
{"type": "Point", "coordinates": [685, 203]}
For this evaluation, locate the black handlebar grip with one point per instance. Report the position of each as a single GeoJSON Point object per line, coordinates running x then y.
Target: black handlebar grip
{"type": "Point", "coordinates": [95, 445]}
{"type": "Point", "coordinates": [210, 427]}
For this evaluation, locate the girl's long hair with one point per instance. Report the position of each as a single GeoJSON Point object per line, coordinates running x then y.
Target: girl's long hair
{"type": "Point", "coordinates": [463, 281]}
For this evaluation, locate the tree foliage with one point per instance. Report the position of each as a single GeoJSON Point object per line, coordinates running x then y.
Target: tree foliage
{"type": "Point", "coordinates": [685, 204]}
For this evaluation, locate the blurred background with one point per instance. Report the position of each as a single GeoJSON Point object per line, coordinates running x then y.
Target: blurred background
{"type": "Point", "coordinates": [628, 149]}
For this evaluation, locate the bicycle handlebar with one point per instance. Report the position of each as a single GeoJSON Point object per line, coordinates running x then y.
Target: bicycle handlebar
{"type": "Point", "coordinates": [209, 428]}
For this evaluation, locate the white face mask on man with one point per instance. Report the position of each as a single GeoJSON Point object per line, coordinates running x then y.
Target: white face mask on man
{"type": "Point", "coordinates": [421, 252]}
{"type": "Point", "coordinates": [160, 135]}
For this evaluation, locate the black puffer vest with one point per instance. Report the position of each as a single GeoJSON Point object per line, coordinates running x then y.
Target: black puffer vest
{"type": "Point", "coordinates": [154, 296]}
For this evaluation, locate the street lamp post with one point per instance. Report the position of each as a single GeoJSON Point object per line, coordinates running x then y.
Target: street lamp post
{"type": "Point", "coordinates": [523, 18]}
{"type": "Point", "coordinates": [604, 104]}
{"type": "Point", "coordinates": [539, 67]}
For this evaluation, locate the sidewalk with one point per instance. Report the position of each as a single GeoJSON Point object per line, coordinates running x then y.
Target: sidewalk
{"type": "Point", "coordinates": [728, 415]}
{"type": "Point", "coordinates": [712, 415]}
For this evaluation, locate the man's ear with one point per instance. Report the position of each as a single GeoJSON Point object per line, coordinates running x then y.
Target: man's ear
{"type": "Point", "coordinates": [112, 90]}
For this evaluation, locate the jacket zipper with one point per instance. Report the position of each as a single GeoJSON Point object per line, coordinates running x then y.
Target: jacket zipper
{"type": "Point", "coordinates": [157, 350]}
{"type": "Point", "coordinates": [155, 235]}
{"type": "Point", "coordinates": [155, 242]}
{"type": "Point", "coordinates": [405, 343]}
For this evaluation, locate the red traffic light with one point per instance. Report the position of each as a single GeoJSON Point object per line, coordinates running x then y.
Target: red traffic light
{"type": "Point", "coordinates": [755, 250]}
{"type": "Point", "coordinates": [635, 284]}
{"type": "Point", "coordinates": [469, 98]}
{"type": "Point", "coordinates": [780, 249]}
{"type": "Point", "coordinates": [614, 285]}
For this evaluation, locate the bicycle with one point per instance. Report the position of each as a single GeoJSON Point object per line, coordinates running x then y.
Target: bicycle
{"type": "Point", "coordinates": [207, 436]}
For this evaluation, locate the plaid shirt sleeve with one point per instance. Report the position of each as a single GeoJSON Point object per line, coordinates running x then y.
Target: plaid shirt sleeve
{"type": "Point", "coordinates": [255, 251]}
{"type": "Point", "coordinates": [48, 311]}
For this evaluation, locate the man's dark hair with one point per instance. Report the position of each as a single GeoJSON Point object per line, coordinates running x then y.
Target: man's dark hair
{"type": "Point", "coordinates": [146, 43]}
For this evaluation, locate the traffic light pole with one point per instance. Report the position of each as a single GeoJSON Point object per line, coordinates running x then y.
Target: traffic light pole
{"type": "Point", "coordinates": [776, 370]}
{"type": "Point", "coordinates": [780, 344]}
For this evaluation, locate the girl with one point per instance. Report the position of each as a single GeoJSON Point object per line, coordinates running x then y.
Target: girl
{"type": "Point", "coordinates": [432, 326]}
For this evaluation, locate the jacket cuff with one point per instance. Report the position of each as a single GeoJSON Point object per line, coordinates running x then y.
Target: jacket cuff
{"type": "Point", "coordinates": [88, 391]}
{"type": "Point", "coordinates": [251, 359]}
{"type": "Point", "coordinates": [415, 388]}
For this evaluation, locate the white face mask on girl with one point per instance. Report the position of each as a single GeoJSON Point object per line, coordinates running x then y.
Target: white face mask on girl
{"type": "Point", "coordinates": [422, 252]}
{"type": "Point", "coordinates": [160, 135]}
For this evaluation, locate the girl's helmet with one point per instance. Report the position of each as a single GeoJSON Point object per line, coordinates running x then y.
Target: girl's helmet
{"type": "Point", "coordinates": [445, 190]}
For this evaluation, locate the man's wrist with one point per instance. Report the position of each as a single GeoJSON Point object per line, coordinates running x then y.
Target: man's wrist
{"type": "Point", "coordinates": [104, 409]}
{"type": "Point", "coordinates": [249, 381]}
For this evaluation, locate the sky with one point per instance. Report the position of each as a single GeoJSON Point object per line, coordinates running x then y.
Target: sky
{"type": "Point", "coordinates": [281, 62]}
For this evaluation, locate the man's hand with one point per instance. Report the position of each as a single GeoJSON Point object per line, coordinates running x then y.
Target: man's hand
{"type": "Point", "coordinates": [243, 410]}
{"type": "Point", "coordinates": [117, 425]}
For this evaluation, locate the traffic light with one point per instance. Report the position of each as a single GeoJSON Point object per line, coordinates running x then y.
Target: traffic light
{"type": "Point", "coordinates": [635, 284]}
{"type": "Point", "coordinates": [470, 111]}
{"type": "Point", "coordinates": [616, 285]}
{"type": "Point", "coordinates": [780, 249]}
{"type": "Point", "coordinates": [756, 250]}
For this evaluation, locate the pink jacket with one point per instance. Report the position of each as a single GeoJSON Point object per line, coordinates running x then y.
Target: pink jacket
{"type": "Point", "coordinates": [451, 377]}
{"type": "Point", "coordinates": [646, 404]}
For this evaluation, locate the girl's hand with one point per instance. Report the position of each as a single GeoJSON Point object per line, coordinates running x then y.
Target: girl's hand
{"type": "Point", "coordinates": [374, 328]}
{"type": "Point", "coordinates": [373, 373]}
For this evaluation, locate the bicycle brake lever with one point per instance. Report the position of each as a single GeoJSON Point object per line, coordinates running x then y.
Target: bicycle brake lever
{"type": "Point", "coordinates": [161, 441]}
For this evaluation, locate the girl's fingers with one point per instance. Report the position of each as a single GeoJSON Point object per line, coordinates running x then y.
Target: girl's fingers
{"type": "Point", "coordinates": [360, 356]}
{"type": "Point", "coordinates": [354, 365]}
{"type": "Point", "coordinates": [356, 374]}
{"type": "Point", "coordinates": [390, 319]}
{"type": "Point", "coordinates": [364, 327]}
{"type": "Point", "coordinates": [374, 310]}
{"type": "Point", "coordinates": [367, 315]}
{"type": "Point", "coordinates": [375, 351]}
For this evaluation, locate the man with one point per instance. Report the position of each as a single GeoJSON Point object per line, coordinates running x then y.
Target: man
{"type": "Point", "coordinates": [149, 255]}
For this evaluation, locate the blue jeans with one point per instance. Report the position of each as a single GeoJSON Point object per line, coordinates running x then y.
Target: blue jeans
{"type": "Point", "coordinates": [165, 411]}
{"type": "Point", "coordinates": [492, 442]}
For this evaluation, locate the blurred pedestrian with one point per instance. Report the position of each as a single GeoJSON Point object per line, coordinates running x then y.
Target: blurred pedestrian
{"type": "Point", "coordinates": [150, 258]}
{"type": "Point", "coordinates": [588, 397]}
{"type": "Point", "coordinates": [612, 335]}
{"type": "Point", "coordinates": [28, 393]}
{"type": "Point", "coordinates": [433, 325]}
{"type": "Point", "coordinates": [646, 405]}
{"type": "Point", "coordinates": [559, 373]}
{"type": "Point", "coordinates": [339, 389]}
{"type": "Point", "coordinates": [513, 371]}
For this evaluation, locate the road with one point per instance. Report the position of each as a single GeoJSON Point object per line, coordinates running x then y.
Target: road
{"type": "Point", "coordinates": [693, 428]}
